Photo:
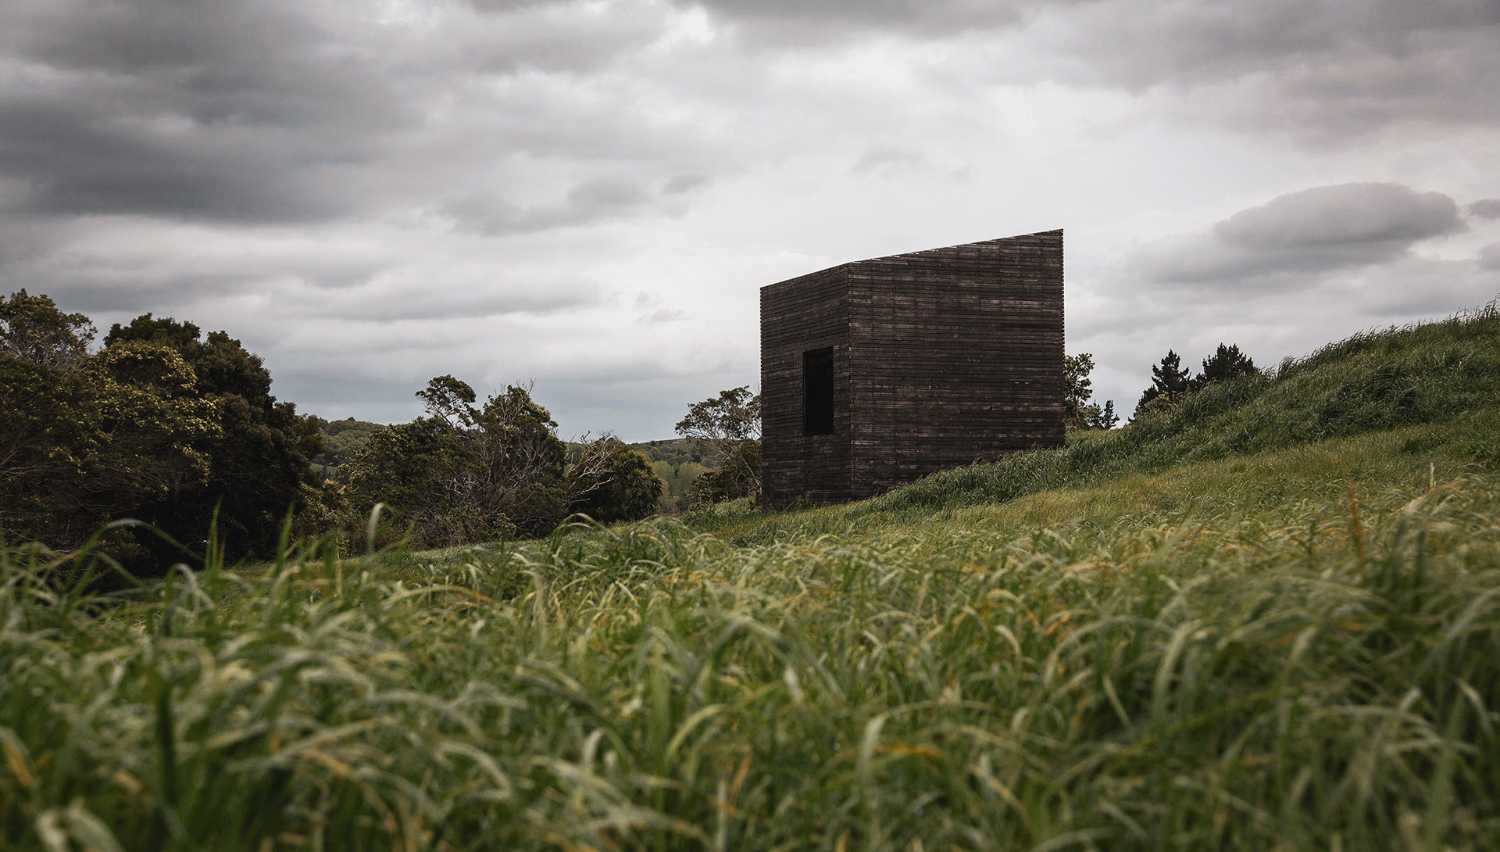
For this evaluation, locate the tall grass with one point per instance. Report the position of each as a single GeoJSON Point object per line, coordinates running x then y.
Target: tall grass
{"type": "Point", "coordinates": [1322, 669]}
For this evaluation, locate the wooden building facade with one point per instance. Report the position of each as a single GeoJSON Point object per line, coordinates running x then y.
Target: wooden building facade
{"type": "Point", "coordinates": [878, 372]}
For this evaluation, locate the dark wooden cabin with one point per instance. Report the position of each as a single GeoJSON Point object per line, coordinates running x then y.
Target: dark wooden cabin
{"type": "Point", "coordinates": [880, 371]}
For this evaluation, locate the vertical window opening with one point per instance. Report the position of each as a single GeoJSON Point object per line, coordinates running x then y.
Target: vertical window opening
{"type": "Point", "coordinates": [817, 392]}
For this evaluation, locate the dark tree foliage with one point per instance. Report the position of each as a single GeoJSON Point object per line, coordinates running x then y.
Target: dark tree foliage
{"type": "Point", "coordinates": [89, 439]}
{"type": "Point", "coordinates": [1104, 418]}
{"type": "Point", "coordinates": [409, 468]}
{"type": "Point", "coordinates": [259, 465]}
{"type": "Point", "coordinates": [463, 474]}
{"type": "Point", "coordinates": [1169, 381]}
{"type": "Point", "coordinates": [34, 330]}
{"type": "Point", "coordinates": [1228, 362]}
{"type": "Point", "coordinates": [728, 427]}
{"type": "Point", "coordinates": [523, 462]}
{"type": "Point", "coordinates": [609, 482]}
{"type": "Point", "coordinates": [737, 476]}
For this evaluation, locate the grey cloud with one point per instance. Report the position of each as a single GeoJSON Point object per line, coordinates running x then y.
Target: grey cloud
{"type": "Point", "coordinates": [685, 183]}
{"type": "Point", "coordinates": [1304, 233]}
{"type": "Point", "coordinates": [666, 314]}
{"type": "Point", "coordinates": [1489, 257]}
{"type": "Point", "coordinates": [73, 160]}
{"type": "Point", "coordinates": [297, 111]}
{"type": "Point", "coordinates": [887, 158]}
{"type": "Point", "coordinates": [1485, 208]}
{"type": "Point", "coordinates": [553, 36]}
{"type": "Point", "coordinates": [589, 202]}
{"type": "Point", "coordinates": [1344, 214]}
{"type": "Point", "coordinates": [1324, 71]}
{"type": "Point", "coordinates": [801, 20]}
{"type": "Point", "coordinates": [409, 296]}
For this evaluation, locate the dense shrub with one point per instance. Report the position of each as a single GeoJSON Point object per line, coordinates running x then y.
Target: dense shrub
{"type": "Point", "coordinates": [91, 438]}
{"type": "Point", "coordinates": [465, 473]}
{"type": "Point", "coordinates": [609, 482]}
{"type": "Point", "coordinates": [737, 475]}
{"type": "Point", "coordinates": [258, 463]}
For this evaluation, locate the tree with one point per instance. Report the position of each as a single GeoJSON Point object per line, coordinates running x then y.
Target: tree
{"type": "Point", "coordinates": [609, 482]}
{"type": "Point", "coordinates": [1228, 362]}
{"type": "Point", "coordinates": [735, 477]}
{"type": "Point", "coordinates": [450, 400]}
{"type": "Point", "coordinates": [91, 440]}
{"type": "Point", "coordinates": [462, 474]}
{"type": "Point", "coordinates": [260, 462]}
{"type": "Point", "coordinates": [1104, 418]}
{"type": "Point", "coordinates": [728, 426]}
{"type": "Point", "coordinates": [1077, 388]}
{"type": "Point", "coordinates": [1169, 380]}
{"type": "Point", "coordinates": [522, 461]}
{"type": "Point", "coordinates": [34, 330]}
{"type": "Point", "coordinates": [409, 468]}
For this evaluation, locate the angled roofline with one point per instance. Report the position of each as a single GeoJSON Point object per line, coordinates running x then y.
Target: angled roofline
{"type": "Point", "coordinates": [917, 253]}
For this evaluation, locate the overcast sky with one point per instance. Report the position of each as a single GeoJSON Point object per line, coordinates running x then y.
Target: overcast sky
{"type": "Point", "coordinates": [588, 195]}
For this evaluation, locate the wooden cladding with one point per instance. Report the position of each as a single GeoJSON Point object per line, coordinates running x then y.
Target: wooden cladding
{"type": "Point", "coordinates": [878, 372]}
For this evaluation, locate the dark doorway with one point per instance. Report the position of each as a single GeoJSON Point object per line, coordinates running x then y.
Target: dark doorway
{"type": "Point", "coordinates": [817, 392]}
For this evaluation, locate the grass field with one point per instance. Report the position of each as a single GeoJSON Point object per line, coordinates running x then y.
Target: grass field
{"type": "Point", "coordinates": [1269, 619]}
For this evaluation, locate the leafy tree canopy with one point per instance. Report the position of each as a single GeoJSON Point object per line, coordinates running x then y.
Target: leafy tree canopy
{"type": "Point", "coordinates": [33, 329]}
{"type": "Point", "coordinates": [261, 461]}
{"type": "Point", "coordinates": [729, 426]}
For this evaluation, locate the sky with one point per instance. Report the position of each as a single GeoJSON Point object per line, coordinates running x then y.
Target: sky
{"type": "Point", "coordinates": [586, 196]}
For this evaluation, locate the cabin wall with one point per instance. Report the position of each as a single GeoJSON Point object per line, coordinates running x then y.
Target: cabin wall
{"type": "Point", "coordinates": [802, 314]}
{"type": "Point", "coordinates": [955, 355]}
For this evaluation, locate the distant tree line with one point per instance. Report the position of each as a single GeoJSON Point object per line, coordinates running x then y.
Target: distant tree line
{"type": "Point", "coordinates": [180, 431]}
{"type": "Point", "coordinates": [1170, 382]}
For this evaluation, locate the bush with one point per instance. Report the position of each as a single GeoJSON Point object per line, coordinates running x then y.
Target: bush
{"type": "Point", "coordinates": [464, 474]}
{"type": "Point", "coordinates": [610, 482]}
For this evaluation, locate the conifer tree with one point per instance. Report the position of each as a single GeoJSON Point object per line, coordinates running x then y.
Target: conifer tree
{"type": "Point", "coordinates": [1228, 362]}
{"type": "Point", "coordinates": [1105, 418]}
{"type": "Point", "coordinates": [1168, 379]}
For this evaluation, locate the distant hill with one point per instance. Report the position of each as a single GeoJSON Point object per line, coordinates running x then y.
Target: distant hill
{"type": "Point", "coordinates": [342, 440]}
{"type": "Point", "coordinates": [678, 461]}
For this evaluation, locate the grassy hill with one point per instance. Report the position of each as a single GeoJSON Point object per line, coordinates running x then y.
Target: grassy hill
{"type": "Point", "coordinates": [1267, 619]}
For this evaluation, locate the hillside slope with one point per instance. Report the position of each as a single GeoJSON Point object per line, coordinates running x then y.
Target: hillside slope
{"type": "Point", "coordinates": [1431, 373]}
{"type": "Point", "coordinates": [1231, 635]}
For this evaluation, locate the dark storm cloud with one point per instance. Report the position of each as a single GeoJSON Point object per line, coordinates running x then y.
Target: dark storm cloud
{"type": "Point", "coordinates": [1323, 71]}
{"type": "Point", "coordinates": [1320, 70]}
{"type": "Point", "coordinates": [232, 111]}
{"type": "Point", "coordinates": [1485, 208]}
{"type": "Point", "coordinates": [75, 159]}
{"type": "Point", "coordinates": [1305, 233]}
{"type": "Point", "coordinates": [281, 111]}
